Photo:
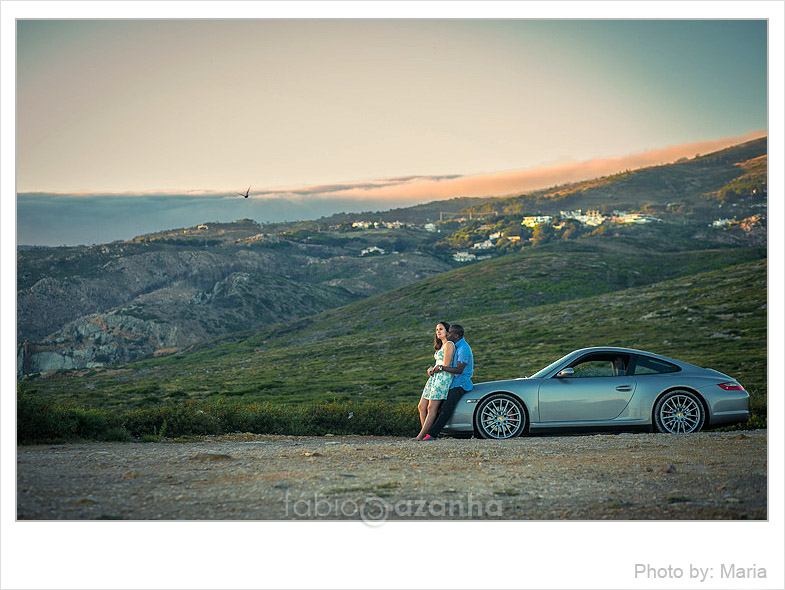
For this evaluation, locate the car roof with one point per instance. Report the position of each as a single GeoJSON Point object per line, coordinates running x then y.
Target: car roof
{"type": "Point", "coordinates": [631, 351]}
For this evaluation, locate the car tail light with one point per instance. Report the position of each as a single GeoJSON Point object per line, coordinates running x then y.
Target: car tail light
{"type": "Point", "coordinates": [731, 386]}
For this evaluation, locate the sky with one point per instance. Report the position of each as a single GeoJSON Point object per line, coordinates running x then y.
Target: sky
{"type": "Point", "coordinates": [118, 122]}
{"type": "Point", "coordinates": [116, 106]}
{"type": "Point", "coordinates": [178, 108]}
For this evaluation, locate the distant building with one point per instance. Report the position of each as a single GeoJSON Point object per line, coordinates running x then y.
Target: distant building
{"type": "Point", "coordinates": [514, 238]}
{"type": "Point", "coordinates": [486, 245]}
{"type": "Point", "coordinates": [592, 218]}
{"type": "Point", "coordinates": [463, 257]}
{"type": "Point", "coordinates": [536, 220]}
{"type": "Point", "coordinates": [495, 236]}
{"type": "Point", "coordinates": [430, 227]}
{"type": "Point", "coordinates": [634, 218]}
{"type": "Point", "coordinates": [363, 224]}
{"type": "Point", "coordinates": [756, 221]}
{"type": "Point", "coordinates": [371, 250]}
{"type": "Point", "coordinates": [721, 222]}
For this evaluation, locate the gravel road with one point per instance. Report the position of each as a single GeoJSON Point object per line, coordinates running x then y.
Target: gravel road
{"type": "Point", "coordinates": [703, 476]}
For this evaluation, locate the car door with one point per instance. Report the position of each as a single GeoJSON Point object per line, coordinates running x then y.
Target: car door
{"type": "Point", "coordinates": [596, 388]}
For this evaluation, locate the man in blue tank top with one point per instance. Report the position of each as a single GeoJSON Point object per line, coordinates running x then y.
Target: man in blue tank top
{"type": "Point", "coordinates": [462, 367]}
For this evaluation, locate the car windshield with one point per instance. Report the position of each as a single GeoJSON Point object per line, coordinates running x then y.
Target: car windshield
{"type": "Point", "coordinates": [542, 372]}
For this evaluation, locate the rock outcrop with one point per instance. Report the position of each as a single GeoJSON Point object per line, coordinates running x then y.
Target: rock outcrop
{"type": "Point", "coordinates": [109, 304]}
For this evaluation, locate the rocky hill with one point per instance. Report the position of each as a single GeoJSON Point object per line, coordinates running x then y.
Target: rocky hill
{"type": "Point", "coordinates": [162, 293]}
{"type": "Point", "coordinates": [92, 306]}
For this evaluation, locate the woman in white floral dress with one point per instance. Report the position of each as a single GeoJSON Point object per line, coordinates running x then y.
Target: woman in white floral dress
{"type": "Point", "coordinates": [438, 384]}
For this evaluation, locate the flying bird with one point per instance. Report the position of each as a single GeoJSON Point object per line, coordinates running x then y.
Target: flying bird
{"type": "Point", "coordinates": [245, 194]}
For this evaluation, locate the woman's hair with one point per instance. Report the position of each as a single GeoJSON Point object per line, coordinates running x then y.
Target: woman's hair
{"type": "Point", "coordinates": [437, 344]}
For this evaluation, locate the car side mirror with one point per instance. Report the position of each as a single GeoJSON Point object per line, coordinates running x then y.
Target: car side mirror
{"type": "Point", "coordinates": [568, 372]}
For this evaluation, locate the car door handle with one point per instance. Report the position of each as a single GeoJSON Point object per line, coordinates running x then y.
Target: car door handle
{"type": "Point", "coordinates": [624, 388]}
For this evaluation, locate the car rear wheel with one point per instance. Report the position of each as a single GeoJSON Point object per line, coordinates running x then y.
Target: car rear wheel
{"type": "Point", "coordinates": [679, 412]}
{"type": "Point", "coordinates": [500, 416]}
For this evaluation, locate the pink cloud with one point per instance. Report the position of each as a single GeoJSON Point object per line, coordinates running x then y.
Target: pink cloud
{"type": "Point", "coordinates": [421, 189]}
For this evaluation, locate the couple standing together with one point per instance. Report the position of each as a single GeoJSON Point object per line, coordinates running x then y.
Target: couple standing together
{"type": "Point", "coordinates": [448, 380]}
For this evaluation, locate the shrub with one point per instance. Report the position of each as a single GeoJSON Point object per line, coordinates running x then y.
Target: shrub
{"type": "Point", "coordinates": [97, 424]}
{"type": "Point", "coordinates": [41, 421]}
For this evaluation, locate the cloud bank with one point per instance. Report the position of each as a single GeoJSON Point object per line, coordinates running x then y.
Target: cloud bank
{"type": "Point", "coordinates": [424, 188]}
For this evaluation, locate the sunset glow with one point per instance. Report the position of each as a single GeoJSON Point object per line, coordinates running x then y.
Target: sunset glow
{"type": "Point", "coordinates": [115, 106]}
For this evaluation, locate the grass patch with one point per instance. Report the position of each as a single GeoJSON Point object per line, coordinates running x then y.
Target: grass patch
{"type": "Point", "coordinates": [313, 377]}
{"type": "Point", "coordinates": [40, 421]}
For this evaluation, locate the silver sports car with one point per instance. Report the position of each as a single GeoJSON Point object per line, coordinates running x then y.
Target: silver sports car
{"type": "Point", "coordinates": [595, 388]}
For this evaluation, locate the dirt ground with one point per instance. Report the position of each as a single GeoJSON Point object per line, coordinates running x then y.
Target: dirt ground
{"type": "Point", "coordinates": [703, 476]}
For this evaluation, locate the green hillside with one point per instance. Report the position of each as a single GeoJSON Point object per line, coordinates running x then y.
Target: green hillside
{"type": "Point", "coordinates": [686, 186]}
{"type": "Point", "coordinates": [170, 291]}
{"type": "Point", "coordinates": [555, 272]}
{"type": "Point", "coordinates": [521, 312]}
{"type": "Point", "coordinates": [690, 283]}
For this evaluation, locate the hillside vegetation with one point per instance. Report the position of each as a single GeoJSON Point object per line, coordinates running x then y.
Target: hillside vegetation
{"type": "Point", "coordinates": [103, 305]}
{"type": "Point", "coordinates": [684, 187]}
{"type": "Point", "coordinates": [163, 293]}
{"type": "Point", "coordinates": [713, 314]}
{"type": "Point", "coordinates": [327, 325]}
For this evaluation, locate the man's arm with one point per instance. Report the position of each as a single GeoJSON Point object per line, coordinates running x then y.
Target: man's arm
{"type": "Point", "coordinates": [457, 370]}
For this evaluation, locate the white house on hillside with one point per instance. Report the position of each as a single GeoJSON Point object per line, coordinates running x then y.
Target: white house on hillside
{"type": "Point", "coordinates": [592, 218]}
{"type": "Point", "coordinates": [722, 222]}
{"type": "Point", "coordinates": [486, 245]}
{"type": "Point", "coordinates": [634, 218]}
{"type": "Point", "coordinates": [536, 220]}
{"type": "Point", "coordinates": [463, 257]}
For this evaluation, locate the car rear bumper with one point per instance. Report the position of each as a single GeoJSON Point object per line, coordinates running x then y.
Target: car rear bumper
{"type": "Point", "coordinates": [729, 407]}
{"type": "Point", "coordinates": [730, 417]}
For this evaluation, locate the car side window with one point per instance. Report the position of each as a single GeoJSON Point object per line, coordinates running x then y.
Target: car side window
{"type": "Point", "coordinates": [594, 368]}
{"type": "Point", "coordinates": [645, 365]}
{"type": "Point", "coordinates": [600, 365]}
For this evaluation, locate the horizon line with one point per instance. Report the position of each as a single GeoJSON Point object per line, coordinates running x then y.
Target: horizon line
{"type": "Point", "coordinates": [445, 186]}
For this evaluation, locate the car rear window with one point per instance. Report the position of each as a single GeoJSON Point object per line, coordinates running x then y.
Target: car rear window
{"type": "Point", "coordinates": [645, 365]}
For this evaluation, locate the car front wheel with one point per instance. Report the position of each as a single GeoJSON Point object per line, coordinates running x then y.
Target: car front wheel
{"type": "Point", "coordinates": [679, 412]}
{"type": "Point", "coordinates": [500, 416]}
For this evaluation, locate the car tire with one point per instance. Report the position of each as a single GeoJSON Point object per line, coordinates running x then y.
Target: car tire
{"type": "Point", "coordinates": [679, 412]}
{"type": "Point", "coordinates": [500, 416]}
